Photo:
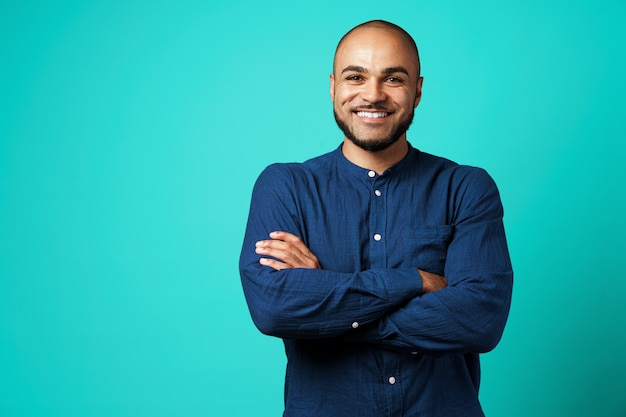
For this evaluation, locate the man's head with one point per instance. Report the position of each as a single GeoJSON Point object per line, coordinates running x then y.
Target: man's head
{"type": "Point", "coordinates": [376, 84]}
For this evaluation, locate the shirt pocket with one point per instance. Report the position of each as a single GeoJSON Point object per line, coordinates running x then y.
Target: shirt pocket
{"type": "Point", "coordinates": [426, 247]}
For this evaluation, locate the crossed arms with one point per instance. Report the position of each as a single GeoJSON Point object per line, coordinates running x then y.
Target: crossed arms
{"type": "Point", "coordinates": [292, 294]}
{"type": "Point", "coordinates": [290, 251]}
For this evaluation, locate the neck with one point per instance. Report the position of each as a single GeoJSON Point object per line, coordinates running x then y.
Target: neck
{"type": "Point", "coordinates": [377, 161]}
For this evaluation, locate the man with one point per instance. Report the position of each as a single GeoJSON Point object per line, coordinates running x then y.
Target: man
{"type": "Point", "coordinates": [384, 269]}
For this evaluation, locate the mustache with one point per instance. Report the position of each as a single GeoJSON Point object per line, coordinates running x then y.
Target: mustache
{"type": "Point", "coordinates": [372, 107]}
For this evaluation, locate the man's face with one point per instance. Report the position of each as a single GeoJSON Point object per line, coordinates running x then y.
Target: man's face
{"type": "Point", "coordinates": [374, 88]}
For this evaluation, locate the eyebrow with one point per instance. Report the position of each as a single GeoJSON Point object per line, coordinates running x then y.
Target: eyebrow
{"type": "Point", "coordinates": [386, 71]}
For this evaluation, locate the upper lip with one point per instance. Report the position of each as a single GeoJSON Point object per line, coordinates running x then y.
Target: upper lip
{"type": "Point", "coordinates": [386, 112]}
{"type": "Point", "coordinates": [372, 110]}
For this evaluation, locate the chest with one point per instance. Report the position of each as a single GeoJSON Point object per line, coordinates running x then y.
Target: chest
{"type": "Point", "coordinates": [380, 224]}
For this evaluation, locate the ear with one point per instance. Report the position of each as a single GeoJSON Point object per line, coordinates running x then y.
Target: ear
{"type": "Point", "coordinates": [418, 91]}
{"type": "Point", "coordinates": [332, 87]}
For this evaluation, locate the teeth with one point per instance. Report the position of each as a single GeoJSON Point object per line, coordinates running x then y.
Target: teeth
{"type": "Point", "coordinates": [372, 115]}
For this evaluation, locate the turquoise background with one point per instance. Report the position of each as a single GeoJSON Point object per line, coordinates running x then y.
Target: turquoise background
{"type": "Point", "coordinates": [131, 134]}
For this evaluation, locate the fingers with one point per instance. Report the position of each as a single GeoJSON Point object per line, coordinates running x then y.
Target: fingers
{"type": "Point", "coordinates": [290, 255]}
{"type": "Point", "coordinates": [294, 240]}
{"type": "Point", "coordinates": [289, 249]}
{"type": "Point", "coordinates": [273, 263]}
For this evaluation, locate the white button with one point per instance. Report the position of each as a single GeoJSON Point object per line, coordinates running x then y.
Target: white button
{"type": "Point", "coordinates": [392, 380]}
{"type": "Point", "coordinates": [378, 193]}
{"type": "Point", "coordinates": [377, 237]}
{"type": "Point", "coordinates": [414, 353]}
{"type": "Point", "coordinates": [355, 325]}
{"type": "Point", "coordinates": [371, 174]}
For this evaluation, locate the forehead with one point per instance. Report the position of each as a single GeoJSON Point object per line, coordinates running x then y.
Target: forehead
{"type": "Point", "coordinates": [375, 48]}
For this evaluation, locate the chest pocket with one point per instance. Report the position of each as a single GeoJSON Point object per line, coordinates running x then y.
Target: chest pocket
{"type": "Point", "coordinates": [425, 247]}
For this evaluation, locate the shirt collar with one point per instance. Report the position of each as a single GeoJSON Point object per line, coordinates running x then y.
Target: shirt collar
{"type": "Point", "coordinates": [352, 169]}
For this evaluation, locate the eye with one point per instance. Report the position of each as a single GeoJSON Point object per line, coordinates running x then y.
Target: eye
{"type": "Point", "coordinates": [354, 77]}
{"type": "Point", "coordinates": [394, 80]}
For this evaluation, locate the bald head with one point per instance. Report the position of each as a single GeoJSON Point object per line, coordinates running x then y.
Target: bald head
{"type": "Point", "coordinates": [406, 38]}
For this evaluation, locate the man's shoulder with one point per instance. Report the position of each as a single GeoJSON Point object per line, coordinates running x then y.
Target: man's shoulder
{"type": "Point", "coordinates": [453, 174]}
{"type": "Point", "coordinates": [292, 177]}
{"type": "Point", "coordinates": [429, 160]}
{"type": "Point", "coordinates": [297, 169]}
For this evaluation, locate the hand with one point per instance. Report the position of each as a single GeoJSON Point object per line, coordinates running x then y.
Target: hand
{"type": "Point", "coordinates": [432, 282]}
{"type": "Point", "coordinates": [289, 249]}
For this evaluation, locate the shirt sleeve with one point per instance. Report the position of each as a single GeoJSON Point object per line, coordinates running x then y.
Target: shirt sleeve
{"type": "Point", "coordinates": [304, 303]}
{"type": "Point", "coordinates": [470, 313]}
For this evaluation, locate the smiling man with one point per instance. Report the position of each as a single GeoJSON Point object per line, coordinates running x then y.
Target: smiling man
{"type": "Point", "coordinates": [374, 102]}
{"type": "Point", "coordinates": [384, 269]}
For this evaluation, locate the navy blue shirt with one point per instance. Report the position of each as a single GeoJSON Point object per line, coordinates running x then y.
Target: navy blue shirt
{"type": "Point", "coordinates": [360, 337]}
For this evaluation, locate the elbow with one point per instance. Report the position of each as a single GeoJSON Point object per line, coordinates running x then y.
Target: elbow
{"type": "Point", "coordinates": [270, 319]}
{"type": "Point", "coordinates": [265, 314]}
{"type": "Point", "coordinates": [267, 323]}
{"type": "Point", "coordinates": [487, 336]}
{"type": "Point", "coordinates": [487, 342]}
{"type": "Point", "coordinates": [489, 327]}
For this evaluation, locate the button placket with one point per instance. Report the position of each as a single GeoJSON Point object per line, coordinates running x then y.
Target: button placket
{"type": "Point", "coordinates": [377, 220]}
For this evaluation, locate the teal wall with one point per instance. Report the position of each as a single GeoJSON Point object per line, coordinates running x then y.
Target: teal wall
{"type": "Point", "coordinates": [130, 137]}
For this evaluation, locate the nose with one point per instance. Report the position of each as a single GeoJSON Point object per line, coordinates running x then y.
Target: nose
{"type": "Point", "coordinates": [373, 92]}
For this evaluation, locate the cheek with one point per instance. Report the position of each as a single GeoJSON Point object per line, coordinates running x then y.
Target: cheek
{"type": "Point", "coordinates": [407, 101]}
{"type": "Point", "coordinates": [344, 95]}
{"type": "Point", "coordinates": [404, 98]}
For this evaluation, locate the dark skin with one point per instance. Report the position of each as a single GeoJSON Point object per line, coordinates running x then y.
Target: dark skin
{"type": "Point", "coordinates": [291, 252]}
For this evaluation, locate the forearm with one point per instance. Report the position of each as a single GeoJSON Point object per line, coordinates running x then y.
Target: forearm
{"type": "Point", "coordinates": [312, 303]}
{"type": "Point", "coordinates": [467, 316]}
{"type": "Point", "coordinates": [453, 320]}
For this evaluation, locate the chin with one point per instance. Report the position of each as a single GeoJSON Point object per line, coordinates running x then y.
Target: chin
{"type": "Point", "coordinates": [373, 145]}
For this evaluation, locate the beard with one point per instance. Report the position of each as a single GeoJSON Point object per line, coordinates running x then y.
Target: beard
{"type": "Point", "coordinates": [378, 144]}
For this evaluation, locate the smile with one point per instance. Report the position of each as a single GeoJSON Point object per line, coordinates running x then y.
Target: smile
{"type": "Point", "coordinates": [372, 115]}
